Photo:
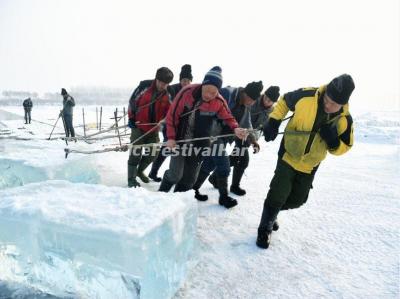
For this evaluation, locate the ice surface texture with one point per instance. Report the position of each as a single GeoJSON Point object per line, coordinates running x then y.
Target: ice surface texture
{"type": "Point", "coordinates": [86, 241]}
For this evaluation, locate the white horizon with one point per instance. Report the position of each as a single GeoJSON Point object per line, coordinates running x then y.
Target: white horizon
{"type": "Point", "coordinates": [46, 44]}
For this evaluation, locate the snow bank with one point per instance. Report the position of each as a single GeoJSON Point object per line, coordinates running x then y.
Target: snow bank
{"type": "Point", "coordinates": [93, 241]}
{"type": "Point", "coordinates": [377, 127]}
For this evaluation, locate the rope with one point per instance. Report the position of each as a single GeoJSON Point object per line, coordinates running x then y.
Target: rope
{"type": "Point", "coordinates": [128, 146]}
{"type": "Point", "coordinates": [148, 132]}
{"type": "Point", "coordinates": [90, 139]}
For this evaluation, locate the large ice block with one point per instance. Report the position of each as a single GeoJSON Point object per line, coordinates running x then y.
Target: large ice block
{"type": "Point", "coordinates": [91, 241]}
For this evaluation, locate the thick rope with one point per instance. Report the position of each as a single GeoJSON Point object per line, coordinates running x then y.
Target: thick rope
{"type": "Point", "coordinates": [129, 146]}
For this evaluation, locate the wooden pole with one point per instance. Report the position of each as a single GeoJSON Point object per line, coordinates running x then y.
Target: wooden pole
{"type": "Point", "coordinates": [124, 120]}
{"type": "Point", "coordinates": [116, 115]}
{"type": "Point", "coordinates": [101, 115]}
{"type": "Point", "coordinates": [116, 126]}
{"type": "Point", "coordinates": [84, 125]}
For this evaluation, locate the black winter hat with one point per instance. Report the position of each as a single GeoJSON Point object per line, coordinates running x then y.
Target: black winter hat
{"type": "Point", "coordinates": [186, 72]}
{"type": "Point", "coordinates": [253, 89]}
{"type": "Point", "coordinates": [340, 89]}
{"type": "Point", "coordinates": [273, 93]}
{"type": "Point", "coordinates": [165, 75]}
{"type": "Point", "coordinates": [63, 92]}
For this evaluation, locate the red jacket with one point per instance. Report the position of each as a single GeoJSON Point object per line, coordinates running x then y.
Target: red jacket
{"type": "Point", "coordinates": [183, 103]}
{"type": "Point", "coordinates": [148, 108]}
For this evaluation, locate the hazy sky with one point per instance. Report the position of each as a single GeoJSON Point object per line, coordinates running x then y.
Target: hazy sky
{"type": "Point", "coordinates": [49, 44]}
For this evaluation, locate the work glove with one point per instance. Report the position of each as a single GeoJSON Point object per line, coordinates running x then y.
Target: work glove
{"type": "Point", "coordinates": [131, 123]}
{"type": "Point", "coordinates": [329, 134]}
{"type": "Point", "coordinates": [271, 128]}
{"type": "Point", "coordinates": [256, 147]}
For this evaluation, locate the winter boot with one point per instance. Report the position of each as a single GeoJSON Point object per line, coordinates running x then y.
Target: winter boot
{"type": "Point", "coordinates": [236, 178]}
{"type": "Point", "coordinates": [275, 227]}
{"type": "Point", "coordinates": [165, 186]}
{"type": "Point", "coordinates": [266, 226]}
{"type": "Point", "coordinates": [199, 182]}
{"type": "Point", "coordinates": [156, 166]}
{"type": "Point", "coordinates": [140, 173]}
{"type": "Point", "coordinates": [213, 180]}
{"type": "Point", "coordinates": [154, 177]}
{"type": "Point", "coordinates": [199, 196]}
{"type": "Point", "coordinates": [132, 172]}
{"type": "Point", "coordinates": [224, 199]}
{"type": "Point", "coordinates": [145, 179]}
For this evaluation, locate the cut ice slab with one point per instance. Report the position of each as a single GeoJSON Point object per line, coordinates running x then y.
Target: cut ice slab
{"type": "Point", "coordinates": [92, 241]}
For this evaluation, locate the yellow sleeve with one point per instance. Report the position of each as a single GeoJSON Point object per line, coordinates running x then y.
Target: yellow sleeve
{"type": "Point", "coordinates": [280, 109]}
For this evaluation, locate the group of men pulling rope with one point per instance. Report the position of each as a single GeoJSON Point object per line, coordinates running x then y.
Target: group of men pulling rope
{"type": "Point", "coordinates": [198, 121]}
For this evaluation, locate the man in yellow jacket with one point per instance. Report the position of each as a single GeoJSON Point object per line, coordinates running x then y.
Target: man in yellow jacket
{"type": "Point", "coordinates": [320, 123]}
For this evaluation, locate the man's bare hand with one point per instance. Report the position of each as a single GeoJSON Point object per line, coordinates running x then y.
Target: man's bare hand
{"type": "Point", "coordinates": [241, 133]}
{"type": "Point", "coordinates": [171, 144]}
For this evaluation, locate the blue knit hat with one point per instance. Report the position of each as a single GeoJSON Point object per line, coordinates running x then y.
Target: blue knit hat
{"type": "Point", "coordinates": [213, 77]}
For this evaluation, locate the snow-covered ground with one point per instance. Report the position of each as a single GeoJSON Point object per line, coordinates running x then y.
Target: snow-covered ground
{"type": "Point", "coordinates": [344, 243]}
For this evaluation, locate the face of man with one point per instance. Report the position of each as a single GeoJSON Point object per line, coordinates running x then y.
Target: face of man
{"type": "Point", "coordinates": [209, 92]}
{"type": "Point", "coordinates": [185, 81]}
{"type": "Point", "coordinates": [331, 106]}
{"type": "Point", "coordinates": [161, 86]}
{"type": "Point", "coordinates": [247, 101]}
{"type": "Point", "coordinates": [267, 102]}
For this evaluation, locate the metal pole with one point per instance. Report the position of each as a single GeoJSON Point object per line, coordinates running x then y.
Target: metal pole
{"type": "Point", "coordinates": [97, 118]}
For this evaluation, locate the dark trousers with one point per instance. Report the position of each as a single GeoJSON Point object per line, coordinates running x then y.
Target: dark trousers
{"type": "Point", "coordinates": [161, 157]}
{"type": "Point", "coordinates": [69, 128]}
{"type": "Point", "coordinates": [183, 170]}
{"type": "Point", "coordinates": [288, 189]}
{"type": "Point", "coordinates": [27, 116]}
{"type": "Point", "coordinates": [136, 157]}
{"type": "Point", "coordinates": [240, 161]}
{"type": "Point", "coordinates": [218, 162]}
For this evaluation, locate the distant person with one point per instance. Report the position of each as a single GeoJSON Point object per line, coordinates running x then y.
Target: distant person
{"type": "Point", "coordinates": [185, 78]}
{"type": "Point", "coordinates": [28, 108]}
{"type": "Point", "coordinates": [67, 112]}
{"type": "Point", "coordinates": [321, 123]}
{"type": "Point", "coordinates": [148, 106]}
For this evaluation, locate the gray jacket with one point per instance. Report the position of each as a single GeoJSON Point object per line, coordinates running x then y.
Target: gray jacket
{"type": "Point", "coordinates": [27, 104]}
{"type": "Point", "coordinates": [68, 104]}
{"type": "Point", "coordinates": [259, 116]}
